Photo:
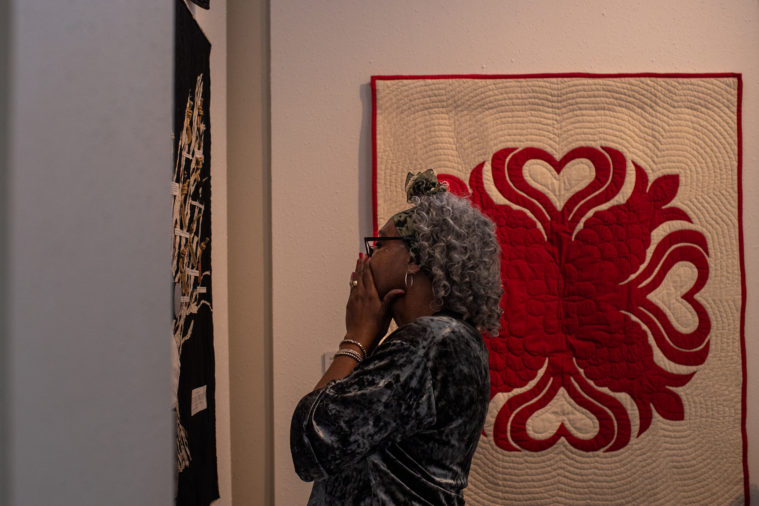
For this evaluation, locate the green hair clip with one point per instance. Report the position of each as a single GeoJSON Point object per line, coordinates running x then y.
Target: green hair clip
{"type": "Point", "coordinates": [421, 184]}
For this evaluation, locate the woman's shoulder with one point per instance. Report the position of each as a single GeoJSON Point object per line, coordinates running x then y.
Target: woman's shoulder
{"type": "Point", "coordinates": [428, 330]}
{"type": "Point", "coordinates": [447, 323]}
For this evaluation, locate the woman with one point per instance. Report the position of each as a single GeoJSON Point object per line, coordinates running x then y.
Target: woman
{"type": "Point", "coordinates": [398, 422]}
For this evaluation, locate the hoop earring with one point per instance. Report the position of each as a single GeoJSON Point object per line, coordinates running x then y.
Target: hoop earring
{"type": "Point", "coordinates": [405, 281]}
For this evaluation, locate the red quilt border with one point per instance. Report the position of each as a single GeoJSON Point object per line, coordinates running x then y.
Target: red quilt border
{"type": "Point", "coordinates": [739, 132]}
{"type": "Point", "coordinates": [739, 120]}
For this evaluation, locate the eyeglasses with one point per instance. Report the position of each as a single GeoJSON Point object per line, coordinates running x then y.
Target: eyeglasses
{"type": "Point", "coordinates": [372, 243]}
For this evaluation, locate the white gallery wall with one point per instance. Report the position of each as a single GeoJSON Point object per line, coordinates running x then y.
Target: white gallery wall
{"type": "Point", "coordinates": [322, 57]}
{"type": "Point", "coordinates": [86, 323]}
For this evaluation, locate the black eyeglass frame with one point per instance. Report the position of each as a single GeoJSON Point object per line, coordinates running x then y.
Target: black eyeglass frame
{"type": "Point", "coordinates": [370, 250]}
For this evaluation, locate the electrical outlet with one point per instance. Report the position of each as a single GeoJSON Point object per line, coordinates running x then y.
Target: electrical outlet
{"type": "Point", "coordinates": [327, 358]}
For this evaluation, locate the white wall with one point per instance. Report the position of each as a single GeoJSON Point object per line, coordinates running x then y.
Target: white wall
{"type": "Point", "coordinates": [249, 246]}
{"type": "Point", "coordinates": [322, 56]}
{"type": "Point", "coordinates": [86, 368]}
{"type": "Point", "coordinates": [213, 22]}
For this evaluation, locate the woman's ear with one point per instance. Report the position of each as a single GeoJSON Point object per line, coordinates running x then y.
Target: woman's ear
{"type": "Point", "coordinates": [413, 268]}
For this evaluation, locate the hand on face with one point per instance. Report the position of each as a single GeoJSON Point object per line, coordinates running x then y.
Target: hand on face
{"type": "Point", "coordinates": [367, 317]}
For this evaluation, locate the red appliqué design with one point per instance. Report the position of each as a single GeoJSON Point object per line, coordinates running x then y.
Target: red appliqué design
{"type": "Point", "coordinates": [576, 310]}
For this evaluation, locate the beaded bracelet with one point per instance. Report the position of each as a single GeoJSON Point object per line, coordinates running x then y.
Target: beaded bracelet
{"type": "Point", "coordinates": [351, 341]}
{"type": "Point", "coordinates": [350, 353]}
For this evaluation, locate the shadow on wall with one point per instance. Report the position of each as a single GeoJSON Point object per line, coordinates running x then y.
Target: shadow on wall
{"type": "Point", "coordinates": [753, 495]}
{"type": "Point", "coordinates": [365, 174]}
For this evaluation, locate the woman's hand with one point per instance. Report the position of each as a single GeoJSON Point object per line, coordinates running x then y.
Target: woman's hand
{"type": "Point", "coordinates": [366, 316]}
{"type": "Point", "coordinates": [366, 319]}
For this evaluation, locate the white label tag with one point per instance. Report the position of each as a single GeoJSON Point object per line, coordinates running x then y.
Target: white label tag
{"type": "Point", "coordinates": [198, 400]}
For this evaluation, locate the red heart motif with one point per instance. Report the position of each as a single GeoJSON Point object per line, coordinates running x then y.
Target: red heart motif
{"type": "Point", "coordinates": [508, 174]}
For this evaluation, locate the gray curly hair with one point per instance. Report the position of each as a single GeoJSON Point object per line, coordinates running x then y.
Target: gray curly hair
{"type": "Point", "coordinates": [456, 245]}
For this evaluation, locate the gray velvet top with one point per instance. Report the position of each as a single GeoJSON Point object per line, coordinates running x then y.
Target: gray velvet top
{"type": "Point", "coordinates": [403, 426]}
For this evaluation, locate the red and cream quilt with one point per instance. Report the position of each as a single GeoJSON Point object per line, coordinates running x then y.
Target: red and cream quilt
{"type": "Point", "coordinates": [619, 375]}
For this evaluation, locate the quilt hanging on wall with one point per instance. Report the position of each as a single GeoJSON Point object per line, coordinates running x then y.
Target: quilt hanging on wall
{"type": "Point", "coordinates": [619, 374]}
{"type": "Point", "coordinates": [193, 373]}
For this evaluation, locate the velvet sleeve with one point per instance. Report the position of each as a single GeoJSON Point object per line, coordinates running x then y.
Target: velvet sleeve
{"type": "Point", "coordinates": [386, 398]}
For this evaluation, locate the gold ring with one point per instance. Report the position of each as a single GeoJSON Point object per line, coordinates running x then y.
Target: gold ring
{"type": "Point", "coordinates": [354, 283]}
